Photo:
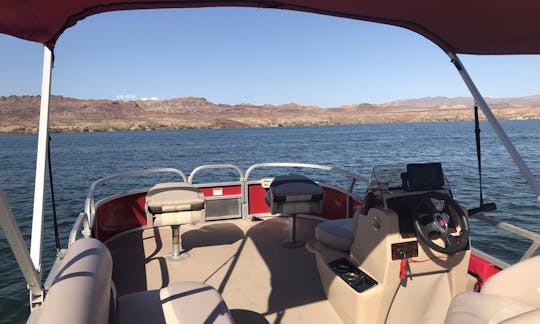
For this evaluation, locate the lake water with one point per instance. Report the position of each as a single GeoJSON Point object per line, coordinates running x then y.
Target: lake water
{"type": "Point", "coordinates": [80, 159]}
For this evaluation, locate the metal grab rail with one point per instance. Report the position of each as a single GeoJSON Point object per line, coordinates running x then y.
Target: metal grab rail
{"type": "Point", "coordinates": [82, 220]}
{"type": "Point", "coordinates": [352, 176]}
{"type": "Point", "coordinates": [215, 166]}
{"type": "Point", "coordinates": [89, 204]}
{"type": "Point", "coordinates": [305, 165]}
{"type": "Point", "coordinates": [534, 237]}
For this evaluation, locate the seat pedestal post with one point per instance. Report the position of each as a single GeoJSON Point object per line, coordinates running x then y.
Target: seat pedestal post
{"type": "Point", "coordinates": [292, 242]}
{"type": "Point", "coordinates": [176, 255]}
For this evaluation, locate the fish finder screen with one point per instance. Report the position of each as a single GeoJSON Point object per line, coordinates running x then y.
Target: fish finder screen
{"type": "Point", "coordinates": [425, 176]}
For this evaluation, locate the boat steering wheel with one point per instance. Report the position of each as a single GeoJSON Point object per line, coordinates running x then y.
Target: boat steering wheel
{"type": "Point", "coordinates": [432, 214]}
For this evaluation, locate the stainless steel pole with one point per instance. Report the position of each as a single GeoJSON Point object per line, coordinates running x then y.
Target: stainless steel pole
{"type": "Point", "coordinates": [41, 161]}
{"type": "Point", "coordinates": [527, 174]}
{"type": "Point", "coordinates": [18, 246]}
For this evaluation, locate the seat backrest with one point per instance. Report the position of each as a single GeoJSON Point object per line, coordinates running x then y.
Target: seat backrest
{"type": "Point", "coordinates": [294, 194]}
{"type": "Point", "coordinates": [81, 290]}
{"type": "Point", "coordinates": [520, 282]}
{"type": "Point", "coordinates": [174, 203]}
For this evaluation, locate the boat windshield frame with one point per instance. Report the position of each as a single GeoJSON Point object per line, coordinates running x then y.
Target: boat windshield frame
{"type": "Point", "coordinates": [387, 177]}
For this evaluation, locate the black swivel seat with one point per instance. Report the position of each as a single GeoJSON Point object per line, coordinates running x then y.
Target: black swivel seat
{"type": "Point", "coordinates": [292, 195]}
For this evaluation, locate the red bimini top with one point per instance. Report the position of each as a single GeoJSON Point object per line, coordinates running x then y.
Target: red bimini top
{"type": "Point", "coordinates": [458, 26]}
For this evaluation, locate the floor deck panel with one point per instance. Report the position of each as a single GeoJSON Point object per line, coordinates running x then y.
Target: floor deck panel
{"type": "Point", "coordinates": [259, 279]}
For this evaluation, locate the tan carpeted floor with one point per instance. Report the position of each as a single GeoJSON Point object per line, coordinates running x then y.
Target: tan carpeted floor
{"type": "Point", "coordinates": [260, 280]}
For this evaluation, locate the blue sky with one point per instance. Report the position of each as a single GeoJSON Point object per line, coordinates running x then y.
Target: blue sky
{"type": "Point", "coordinates": [235, 55]}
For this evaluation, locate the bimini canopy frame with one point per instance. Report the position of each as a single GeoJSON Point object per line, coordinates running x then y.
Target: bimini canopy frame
{"type": "Point", "coordinates": [457, 27]}
{"type": "Point", "coordinates": [479, 99]}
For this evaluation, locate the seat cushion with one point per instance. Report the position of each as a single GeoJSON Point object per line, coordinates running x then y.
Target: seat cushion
{"type": "Point", "coordinates": [478, 308]}
{"type": "Point", "coordinates": [520, 282]}
{"type": "Point", "coordinates": [180, 302]}
{"type": "Point", "coordinates": [294, 194]}
{"type": "Point", "coordinates": [174, 197]}
{"type": "Point", "coordinates": [80, 292]}
{"type": "Point", "coordinates": [175, 203]}
{"type": "Point", "coordinates": [180, 218]}
{"type": "Point", "coordinates": [337, 234]}
{"type": "Point", "coordinates": [294, 187]}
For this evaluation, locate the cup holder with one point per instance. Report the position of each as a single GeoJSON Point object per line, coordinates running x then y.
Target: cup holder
{"type": "Point", "coordinates": [353, 276]}
{"type": "Point", "coordinates": [341, 268]}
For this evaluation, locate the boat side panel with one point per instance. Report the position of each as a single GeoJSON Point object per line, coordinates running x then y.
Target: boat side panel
{"type": "Point", "coordinates": [335, 204]}
{"type": "Point", "coordinates": [257, 204]}
{"type": "Point", "coordinates": [482, 269]}
{"type": "Point", "coordinates": [119, 215]}
{"type": "Point", "coordinates": [221, 191]}
{"type": "Point", "coordinates": [127, 212]}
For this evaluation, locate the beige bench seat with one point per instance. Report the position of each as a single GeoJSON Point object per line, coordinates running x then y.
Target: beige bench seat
{"type": "Point", "coordinates": [180, 302]}
{"type": "Point", "coordinates": [510, 296]}
{"type": "Point", "coordinates": [81, 289]}
{"type": "Point", "coordinates": [81, 293]}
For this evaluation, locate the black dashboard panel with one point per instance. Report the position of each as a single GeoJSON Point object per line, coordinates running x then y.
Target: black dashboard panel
{"type": "Point", "coordinates": [404, 207]}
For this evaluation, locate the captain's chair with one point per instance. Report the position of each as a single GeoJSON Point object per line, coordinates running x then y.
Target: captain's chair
{"type": "Point", "coordinates": [291, 195]}
{"type": "Point", "coordinates": [511, 296]}
{"type": "Point", "coordinates": [174, 204]}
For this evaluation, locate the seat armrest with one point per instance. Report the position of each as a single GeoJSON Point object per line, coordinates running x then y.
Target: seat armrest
{"type": "Point", "coordinates": [525, 318]}
{"type": "Point", "coordinates": [520, 282]}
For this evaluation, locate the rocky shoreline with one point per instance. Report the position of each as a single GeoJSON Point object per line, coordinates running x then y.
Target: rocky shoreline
{"type": "Point", "coordinates": [19, 114]}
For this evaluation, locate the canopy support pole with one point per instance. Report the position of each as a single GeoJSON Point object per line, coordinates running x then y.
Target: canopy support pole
{"type": "Point", "coordinates": [41, 161]}
{"type": "Point", "coordinates": [527, 174]}
{"type": "Point", "coordinates": [19, 249]}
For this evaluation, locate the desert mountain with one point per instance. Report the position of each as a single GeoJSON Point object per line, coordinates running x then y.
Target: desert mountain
{"type": "Point", "coordinates": [20, 113]}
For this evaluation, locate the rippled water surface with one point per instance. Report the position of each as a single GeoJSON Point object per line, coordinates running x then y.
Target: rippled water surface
{"type": "Point", "coordinates": [80, 159]}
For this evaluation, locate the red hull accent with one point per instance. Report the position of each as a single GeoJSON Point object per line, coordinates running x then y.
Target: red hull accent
{"type": "Point", "coordinates": [482, 269]}
{"type": "Point", "coordinates": [119, 215]}
{"type": "Point", "coordinates": [257, 204]}
{"type": "Point", "coordinates": [335, 204]}
{"type": "Point", "coordinates": [125, 213]}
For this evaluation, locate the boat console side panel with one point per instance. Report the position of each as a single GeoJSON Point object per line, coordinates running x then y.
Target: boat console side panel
{"type": "Point", "coordinates": [433, 280]}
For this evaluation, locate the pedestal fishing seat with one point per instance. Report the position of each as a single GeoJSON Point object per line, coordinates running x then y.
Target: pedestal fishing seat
{"type": "Point", "coordinates": [291, 195]}
{"type": "Point", "coordinates": [174, 204]}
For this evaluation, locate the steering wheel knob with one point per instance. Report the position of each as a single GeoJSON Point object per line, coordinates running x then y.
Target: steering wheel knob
{"type": "Point", "coordinates": [438, 222]}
